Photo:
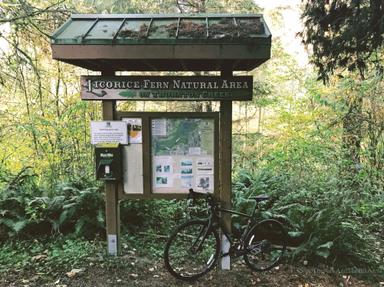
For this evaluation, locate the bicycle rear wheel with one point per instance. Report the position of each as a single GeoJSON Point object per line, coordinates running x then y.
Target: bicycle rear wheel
{"type": "Point", "coordinates": [265, 243]}
{"type": "Point", "coordinates": [192, 250]}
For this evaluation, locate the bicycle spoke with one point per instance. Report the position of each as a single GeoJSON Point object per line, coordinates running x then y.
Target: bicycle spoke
{"type": "Point", "coordinates": [265, 245]}
{"type": "Point", "coordinates": [191, 251]}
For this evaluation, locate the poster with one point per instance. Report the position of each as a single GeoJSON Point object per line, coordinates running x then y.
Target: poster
{"type": "Point", "coordinates": [163, 164]}
{"type": "Point", "coordinates": [204, 182]}
{"type": "Point", "coordinates": [204, 165]}
{"type": "Point", "coordinates": [134, 127]}
{"type": "Point", "coordinates": [194, 151]}
{"type": "Point", "coordinates": [163, 181]}
{"type": "Point", "coordinates": [163, 176]}
{"type": "Point", "coordinates": [159, 127]}
{"type": "Point", "coordinates": [187, 181]}
{"type": "Point", "coordinates": [186, 162]}
{"type": "Point", "coordinates": [182, 154]}
{"type": "Point", "coordinates": [109, 132]}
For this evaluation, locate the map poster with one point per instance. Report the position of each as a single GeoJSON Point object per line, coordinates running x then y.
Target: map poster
{"type": "Point", "coordinates": [134, 130]}
{"type": "Point", "coordinates": [182, 154]}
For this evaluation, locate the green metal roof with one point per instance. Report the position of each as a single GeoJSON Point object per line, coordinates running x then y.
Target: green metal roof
{"type": "Point", "coordinates": [134, 31]}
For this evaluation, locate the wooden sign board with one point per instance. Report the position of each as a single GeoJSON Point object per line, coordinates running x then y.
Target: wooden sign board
{"type": "Point", "coordinates": [166, 88]}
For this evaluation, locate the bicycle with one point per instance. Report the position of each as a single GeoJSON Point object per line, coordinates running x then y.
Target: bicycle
{"type": "Point", "coordinates": [193, 249]}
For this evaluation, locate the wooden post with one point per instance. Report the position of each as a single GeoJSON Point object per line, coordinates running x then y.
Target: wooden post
{"type": "Point", "coordinates": [225, 170]}
{"type": "Point", "coordinates": [112, 212]}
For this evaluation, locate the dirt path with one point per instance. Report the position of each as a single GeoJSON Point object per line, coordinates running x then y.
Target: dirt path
{"type": "Point", "coordinates": [134, 271]}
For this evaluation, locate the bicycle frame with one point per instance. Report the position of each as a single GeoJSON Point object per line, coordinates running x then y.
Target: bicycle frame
{"type": "Point", "coordinates": [225, 231]}
{"type": "Point", "coordinates": [214, 217]}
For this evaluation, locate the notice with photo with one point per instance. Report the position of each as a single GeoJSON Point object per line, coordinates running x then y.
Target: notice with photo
{"type": "Point", "coordinates": [187, 181]}
{"type": "Point", "coordinates": [204, 182]}
{"type": "Point", "coordinates": [186, 162]}
{"type": "Point", "coordinates": [163, 164]}
{"type": "Point", "coordinates": [163, 181]}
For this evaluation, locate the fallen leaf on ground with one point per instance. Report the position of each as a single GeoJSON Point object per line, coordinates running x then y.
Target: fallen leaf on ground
{"type": "Point", "coordinates": [74, 272]}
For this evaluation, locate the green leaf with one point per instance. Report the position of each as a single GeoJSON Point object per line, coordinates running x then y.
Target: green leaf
{"type": "Point", "coordinates": [295, 234]}
{"type": "Point", "coordinates": [18, 226]}
{"type": "Point", "coordinates": [324, 250]}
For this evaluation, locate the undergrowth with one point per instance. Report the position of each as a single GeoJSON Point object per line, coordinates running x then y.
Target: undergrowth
{"type": "Point", "coordinates": [331, 219]}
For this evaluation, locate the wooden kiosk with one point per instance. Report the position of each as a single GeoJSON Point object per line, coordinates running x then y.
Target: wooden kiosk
{"type": "Point", "coordinates": [166, 153]}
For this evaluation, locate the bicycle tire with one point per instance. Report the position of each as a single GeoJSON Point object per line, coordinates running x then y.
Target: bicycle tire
{"type": "Point", "coordinates": [186, 257]}
{"type": "Point", "coordinates": [265, 243]}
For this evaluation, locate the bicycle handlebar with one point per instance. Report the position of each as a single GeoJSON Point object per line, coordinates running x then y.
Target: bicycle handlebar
{"type": "Point", "coordinates": [207, 196]}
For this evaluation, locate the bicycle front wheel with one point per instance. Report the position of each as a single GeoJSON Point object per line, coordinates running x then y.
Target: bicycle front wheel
{"type": "Point", "coordinates": [192, 250]}
{"type": "Point", "coordinates": [265, 244]}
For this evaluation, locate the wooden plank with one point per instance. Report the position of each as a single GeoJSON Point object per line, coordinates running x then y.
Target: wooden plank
{"type": "Point", "coordinates": [147, 164]}
{"type": "Point", "coordinates": [112, 211]}
{"type": "Point", "coordinates": [225, 169]}
{"type": "Point", "coordinates": [259, 49]}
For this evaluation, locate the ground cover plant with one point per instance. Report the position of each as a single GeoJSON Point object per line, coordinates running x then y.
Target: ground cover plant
{"type": "Point", "coordinates": [317, 149]}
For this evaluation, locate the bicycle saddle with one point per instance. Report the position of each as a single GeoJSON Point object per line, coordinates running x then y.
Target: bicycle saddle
{"type": "Point", "coordinates": [260, 197]}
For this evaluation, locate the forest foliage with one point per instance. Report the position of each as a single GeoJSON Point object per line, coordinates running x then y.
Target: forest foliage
{"type": "Point", "coordinates": [316, 149]}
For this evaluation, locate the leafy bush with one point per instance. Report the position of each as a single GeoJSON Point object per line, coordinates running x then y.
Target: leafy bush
{"type": "Point", "coordinates": [26, 211]}
{"type": "Point", "coordinates": [77, 207]}
{"type": "Point", "coordinates": [327, 221]}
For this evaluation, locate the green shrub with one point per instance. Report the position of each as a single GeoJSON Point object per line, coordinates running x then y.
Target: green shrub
{"type": "Point", "coordinates": [331, 217]}
{"type": "Point", "coordinates": [28, 211]}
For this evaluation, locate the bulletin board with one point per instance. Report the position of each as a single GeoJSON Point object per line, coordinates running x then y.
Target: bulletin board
{"type": "Point", "coordinates": [169, 153]}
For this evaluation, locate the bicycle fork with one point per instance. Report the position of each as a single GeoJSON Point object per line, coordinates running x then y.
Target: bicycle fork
{"type": "Point", "coordinates": [199, 241]}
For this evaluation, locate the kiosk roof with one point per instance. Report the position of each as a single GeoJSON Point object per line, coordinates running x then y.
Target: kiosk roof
{"type": "Point", "coordinates": [177, 42]}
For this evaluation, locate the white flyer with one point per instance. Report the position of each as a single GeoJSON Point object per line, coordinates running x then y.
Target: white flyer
{"type": "Point", "coordinates": [159, 127]}
{"type": "Point", "coordinates": [204, 165]}
{"type": "Point", "coordinates": [109, 132]}
{"type": "Point", "coordinates": [194, 151]}
{"type": "Point", "coordinates": [112, 244]}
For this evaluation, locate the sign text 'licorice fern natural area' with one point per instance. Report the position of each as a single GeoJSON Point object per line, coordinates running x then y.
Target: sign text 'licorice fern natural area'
{"type": "Point", "coordinates": [166, 88]}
